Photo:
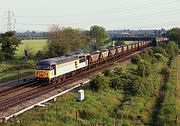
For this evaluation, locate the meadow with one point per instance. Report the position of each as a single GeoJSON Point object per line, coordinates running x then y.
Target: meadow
{"type": "Point", "coordinates": [33, 45]}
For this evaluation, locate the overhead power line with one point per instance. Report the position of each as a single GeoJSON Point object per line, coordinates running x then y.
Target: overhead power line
{"type": "Point", "coordinates": [110, 11]}
{"type": "Point", "coordinates": [120, 19]}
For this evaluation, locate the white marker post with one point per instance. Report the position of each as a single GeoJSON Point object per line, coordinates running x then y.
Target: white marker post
{"type": "Point", "coordinates": [80, 95]}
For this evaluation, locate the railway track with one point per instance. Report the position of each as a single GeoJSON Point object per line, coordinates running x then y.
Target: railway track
{"type": "Point", "coordinates": [35, 92]}
{"type": "Point", "coordinates": [16, 87]}
{"type": "Point", "coordinates": [12, 83]}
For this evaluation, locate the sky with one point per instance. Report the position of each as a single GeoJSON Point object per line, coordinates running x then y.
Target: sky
{"type": "Point", "coordinates": [40, 15]}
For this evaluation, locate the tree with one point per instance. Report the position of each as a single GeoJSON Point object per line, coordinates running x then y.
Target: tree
{"type": "Point", "coordinates": [28, 52]}
{"type": "Point", "coordinates": [98, 37]}
{"type": "Point", "coordinates": [9, 43]}
{"type": "Point", "coordinates": [174, 35]}
{"type": "Point", "coordinates": [62, 41]}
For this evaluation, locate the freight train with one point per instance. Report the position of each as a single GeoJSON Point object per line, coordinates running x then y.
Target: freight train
{"type": "Point", "coordinates": [59, 68]}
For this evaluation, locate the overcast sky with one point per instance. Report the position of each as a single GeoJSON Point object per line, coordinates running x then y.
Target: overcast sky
{"type": "Point", "coordinates": [112, 14]}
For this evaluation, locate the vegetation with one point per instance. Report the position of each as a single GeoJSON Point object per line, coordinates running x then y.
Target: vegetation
{"type": "Point", "coordinates": [98, 37]}
{"type": "Point", "coordinates": [15, 69]}
{"type": "Point", "coordinates": [9, 44]}
{"type": "Point", "coordinates": [21, 66]}
{"type": "Point", "coordinates": [136, 59]}
{"type": "Point", "coordinates": [174, 35]}
{"type": "Point", "coordinates": [62, 41]}
{"type": "Point", "coordinates": [33, 46]}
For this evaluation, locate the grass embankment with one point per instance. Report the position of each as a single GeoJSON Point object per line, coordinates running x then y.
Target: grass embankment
{"type": "Point", "coordinates": [169, 109]}
{"type": "Point", "coordinates": [177, 66]}
{"type": "Point", "coordinates": [66, 111]}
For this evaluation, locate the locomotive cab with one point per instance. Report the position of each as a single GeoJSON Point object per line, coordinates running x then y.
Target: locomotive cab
{"type": "Point", "coordinates": [44, 72]}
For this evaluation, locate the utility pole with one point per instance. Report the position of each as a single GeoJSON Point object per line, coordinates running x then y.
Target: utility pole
{"type": "Point", "coordinates": [10, 21]}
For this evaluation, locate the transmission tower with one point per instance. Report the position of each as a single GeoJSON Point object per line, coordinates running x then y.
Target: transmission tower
{"type": "Point", "coordinates": [10, 20]}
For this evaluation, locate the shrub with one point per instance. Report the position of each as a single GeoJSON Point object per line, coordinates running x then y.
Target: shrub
{"type": "Point", "coordinates": [99, 83]}
{"type": "Point", "coordinates": [29, 64]}
{"type": "Point", "coordinates": [136, 59]}
{"type": "Point", "coordinates": [108, 73]}
{"type": "Point", "coordinates": [144, 68]}
{"type": "Point", "coordinates": [120, 69]}
{"type": "Point", "coordinates": [116, 83]}
{"type": "Point", "coordinates": [172, 49]}
{"type": "Point", "coordinates": [159, 57]}
{"type": "Point", "coordinates": [160, 50]}
{"type": "Point", "coordinates": [40, 55]}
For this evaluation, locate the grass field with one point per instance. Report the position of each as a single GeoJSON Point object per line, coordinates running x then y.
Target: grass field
{"type": "Point", "coordinates": [34, 45]}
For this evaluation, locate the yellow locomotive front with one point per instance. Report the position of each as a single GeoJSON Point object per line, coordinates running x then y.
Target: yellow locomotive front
{"type": "Point", "coordinates": [43, 72]}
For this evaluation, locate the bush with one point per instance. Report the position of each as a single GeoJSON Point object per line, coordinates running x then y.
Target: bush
{"type": "Point", "coordinates": [29, 64]}
{"type": "Point", "coordinates": [159, 57]}
{"type": "Point", "coordinates": [116, 83]}
{"type": "Point", "coordinates": [136, 59]}
{"type": "Point", "coordinates": [2, 56]}
{"type": "Point", "coordinates": [172, 49]}
{"type": "Point", "coordinates": [120, 69]}
{"type": "Point", "coordinates": [160, 50]}
{"type": "Point", "coordinates": [108, 73]}
{"type": "Point", "coordinates": [144, 68]}
{"type": "Point", "coordinates": [41, 55]}
{"type": "Point", "coordinates": [99, 83]}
